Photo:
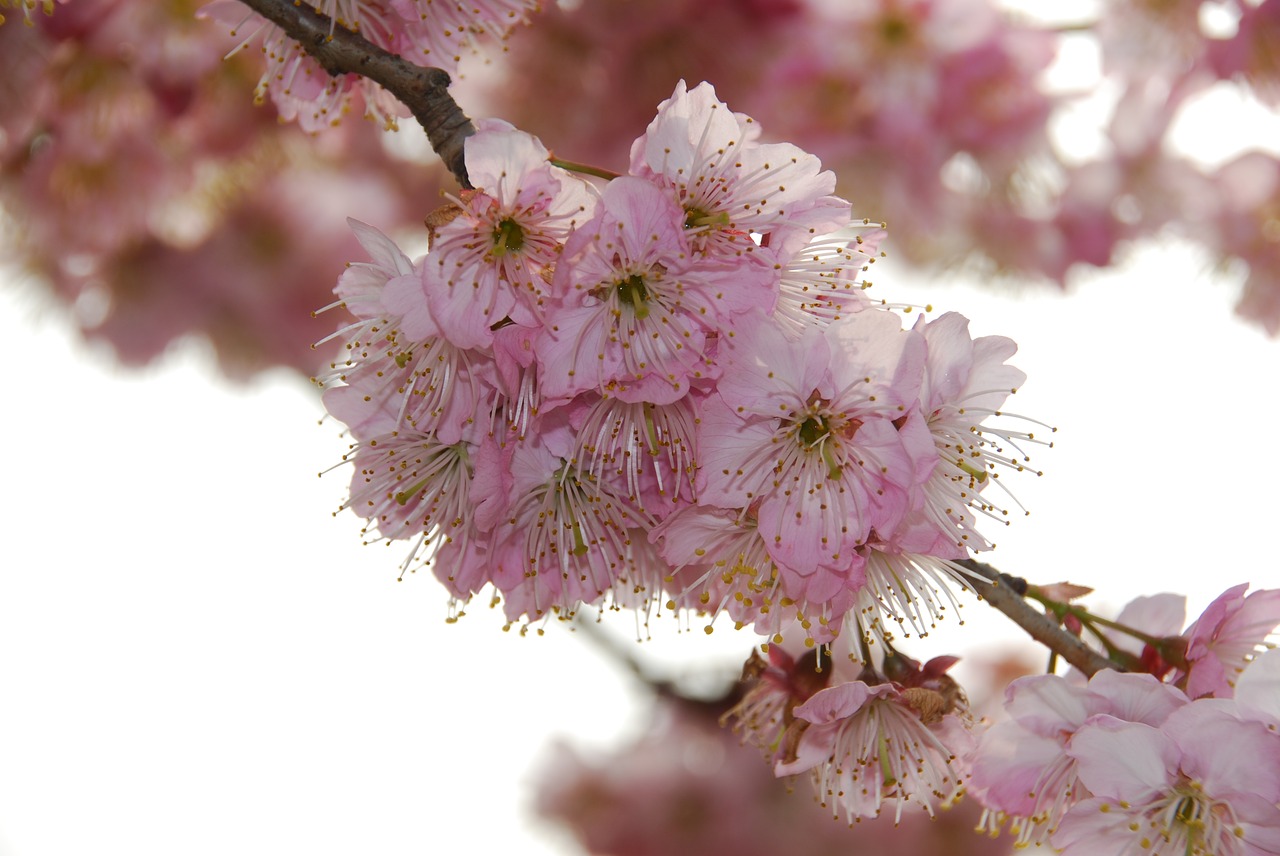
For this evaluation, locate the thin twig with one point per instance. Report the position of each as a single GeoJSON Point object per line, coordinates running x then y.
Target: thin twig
{"type": "Point", "coordinates": [1000, 593]}
{"type": "Point", "coordinates": [424, 90]}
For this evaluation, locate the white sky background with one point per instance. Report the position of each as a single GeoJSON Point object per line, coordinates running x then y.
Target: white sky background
{"type": "Point", "coordinates": [196, 658]}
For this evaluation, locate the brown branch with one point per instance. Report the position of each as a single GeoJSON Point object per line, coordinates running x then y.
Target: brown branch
{"type": "Point", "coordinates": [425, 91]}
{"type": "Point", "coordinates": [1000, 592]}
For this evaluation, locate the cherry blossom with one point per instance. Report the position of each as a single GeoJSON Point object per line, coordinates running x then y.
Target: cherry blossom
{"type": "Point", "coordinates": [491, 261]}
{"type": "Point", "coordinates": [965, 382]}
{"type": "Point", "coordinates": [633, 305]}
{"type": "Point", "coordinates": [806, 430]}
{"type": "Point", "coordinates": [1023, 770]}
{"type": "Point", "coordinates": [1222, 641]}
{"type": "Point", "coordinates": [1202, 783]}
{"type": "Point", "coordinates": [728, 183]}
{"type": "Point", "coordinates": [871, 744]}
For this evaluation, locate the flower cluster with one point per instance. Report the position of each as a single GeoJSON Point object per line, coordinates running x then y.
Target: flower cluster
{"type": "Point", "coordinates": [1180, 756]}
{"type": "Point", "coordinates": [427, 32]}
{"type": "Point", "coordinates": [672, 387]}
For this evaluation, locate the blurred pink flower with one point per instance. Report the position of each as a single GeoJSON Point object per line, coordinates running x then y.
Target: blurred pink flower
{"type": "Point", "coordinates": [686, 787]}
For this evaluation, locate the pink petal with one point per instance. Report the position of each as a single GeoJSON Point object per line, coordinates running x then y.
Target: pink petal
{"type": "Point", "coordinates": [1128, 761]}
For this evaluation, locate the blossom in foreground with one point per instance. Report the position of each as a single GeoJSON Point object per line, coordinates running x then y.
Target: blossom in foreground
{"type": "Point", "coordinates": [1225, 638]}
{"type": "Point", "coordinates": [633, 304]}
{"type": "Point", "coordinates": [806, 433]}
{"type": "Point", "coordinates": [1204, 783]}
{"type": "Point", "coordinates": [493, 259]}
{"type": "Point", "coordinates": [1023, 772]}
{"type": "Point", "coordinates": [729, 184]}
{"type": "Point", "coordinates": [966, 381]}
{"type": "Point", "coordinates": [647, 393]}
{"type": "Point", "coordinates": [887, 742]}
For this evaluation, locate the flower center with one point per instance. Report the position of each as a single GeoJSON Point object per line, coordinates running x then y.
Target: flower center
{"type": "Point", "coordinates": [813, 434]}
{"type": "Point", "coordinates": [696, 218]}
{"type": "Point", "coordinates": [1190, 822]}
{"type": "Point", "coordinates": [507, 237]}
{"type": "Point", "coordinates": [813, 429]}
{"type": "Point", "coordinates": [633, 292]}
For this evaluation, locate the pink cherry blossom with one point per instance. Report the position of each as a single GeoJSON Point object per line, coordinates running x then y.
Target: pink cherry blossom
{"type": "Point", "coordinates": [722, 564]}
{"type": "Point", "coordinates": [398, 369]}
{"type": "Point", "coordinates": [491, 263]}
{"type": "Point", "coordinates": [823, 280]}
{"type": "Point", "coordinates": [411, 486]}
{"type": "Point", "coordinates": [1227, 635]}
{"type": "Point", "coordinates": [805, 431]}
{"type": "Point", "coordinates": [442, 33]}
{"type": "Point", "coordinates": [966, 382]}
{"type": "Point", "coordinates": [1023, 771]}
{"type": "Point", "coordinates": [1202, 783]}
{"type": "Point", "coordinates": [649, 447]}
{"type": "Point", "coordinates": [729, 184]}
{"type": "Point", "coordinates": [868, 745]}
{"type": "Point", "coordinates": [633, 306]}
{"type": "Point", "coordinates": [903, 588]}
{"type": "Point", "coordinates": [567, 538]}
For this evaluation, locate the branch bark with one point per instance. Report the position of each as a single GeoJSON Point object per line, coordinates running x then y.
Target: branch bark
{"type": "Point", "coordinates": [999, 592]}
{"type": "Point", "coordinates": [424, 90]}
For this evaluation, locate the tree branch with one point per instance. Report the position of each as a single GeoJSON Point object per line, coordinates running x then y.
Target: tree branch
{"type": "Point", "coordinates": [999, 592]}
{"type": "Point", "coordinates": [425, 91]}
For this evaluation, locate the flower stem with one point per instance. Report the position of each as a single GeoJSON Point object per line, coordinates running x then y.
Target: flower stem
{"type": "Point", "coordinates": [1001, 591]}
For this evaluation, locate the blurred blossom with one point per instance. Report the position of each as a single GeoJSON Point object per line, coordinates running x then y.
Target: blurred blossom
{"type": "Point", "coordinates": [127, 141]}
{"type": "Point", "coordinates": [934, 114]}
{"type": "Point", "coordinates": [145, 188]}
{"type": "Point", "coordinates": [687, 786]}
{"type": "Point", "coordinates": [1247, 227]}
{"type": "Point", "coordinates": [1253, 53]}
